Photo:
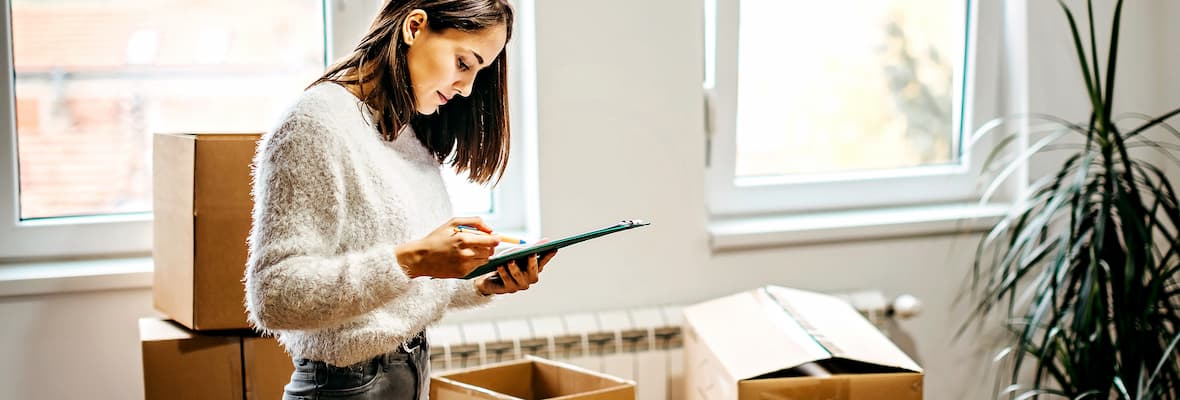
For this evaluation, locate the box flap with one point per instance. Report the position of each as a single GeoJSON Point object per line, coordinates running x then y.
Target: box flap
{"type": "Point", "coordinates": [505, 380]}
{"type": "Point", "coordinates": [561, 381]}
{"type": "Point", "coordinates": [529, 378]}
{"type": "Point", "coordinates": [792, 328]}
{"type": "Point", "coordinates": [839, 328]}
{"type": "Point", "coordinates": [751, 336]}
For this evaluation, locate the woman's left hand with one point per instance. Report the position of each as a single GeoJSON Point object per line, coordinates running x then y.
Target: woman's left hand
{"type": "Point", "coordinates": [513, 279]}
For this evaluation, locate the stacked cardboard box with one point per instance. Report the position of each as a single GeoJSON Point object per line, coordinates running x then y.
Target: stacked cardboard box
{"type": "Point", "coordinates": [202, 206]}
{"type": "Point", "coordinates": [780, 343]}
{"type": "Point", "coordinates": [181, 364]}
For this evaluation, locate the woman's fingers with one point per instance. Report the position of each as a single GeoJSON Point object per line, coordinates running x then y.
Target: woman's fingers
{"type": "Point", "coordinates": [482, 253]}
{"type": "Point", "coordinates": [519, 279]}
{"type": "Point", "coordinates": [478, 253]}
{"type": "Point", "coordinates": [473, 222]}
{"type": "Point", "coordinates": [548, 255]}
{"type": "Point", "coordinates": [469, 240]}
{"type": "Point", "coordinates": [545, 259]}
{"type": "Point", "coordinates": [534, 270]}
{"type": "Point", "coordinates": [505, 278]}
{"type": "Point", "coordinates": [514, 279]}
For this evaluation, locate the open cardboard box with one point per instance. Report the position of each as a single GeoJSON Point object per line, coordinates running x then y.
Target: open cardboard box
{"type": "Point", "coordinates": [202, 206]}
{"type": "Point", "coordinates": [531, 378]}
{"type": "Point", "coordinates": [780, 343]}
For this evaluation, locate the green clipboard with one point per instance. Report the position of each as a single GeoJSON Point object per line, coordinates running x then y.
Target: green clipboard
{"type": "Point", "coordinates": [521, 253]}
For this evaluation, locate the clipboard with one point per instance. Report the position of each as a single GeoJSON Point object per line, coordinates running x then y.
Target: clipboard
{"type": "Point", "coordinates": [523, 252]}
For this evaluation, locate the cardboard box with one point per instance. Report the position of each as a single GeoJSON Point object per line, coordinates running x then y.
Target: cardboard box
{"type": "Point", "coordinates": [182, 364]}
{"type": "Point", "coordinates": [202, 205]}
{"type": "Point", "coordinates": [268, 368]}
{"type": "Point", "coordinates": [178, 364]}
{"type": "Point", "coordinates": [531, 378]}
{"type": "Point", "coordinates": [779, 343]}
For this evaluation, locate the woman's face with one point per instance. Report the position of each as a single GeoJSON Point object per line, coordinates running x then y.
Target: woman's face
{"type": "Point", "coordinates": [444, 64]}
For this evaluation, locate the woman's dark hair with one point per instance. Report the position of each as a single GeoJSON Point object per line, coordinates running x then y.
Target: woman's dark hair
{"type": "Point", "coordinates": [475, 127]}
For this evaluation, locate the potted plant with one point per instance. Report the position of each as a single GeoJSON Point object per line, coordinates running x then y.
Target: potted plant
{"type": "Point", "coordinates": [1083, 271]}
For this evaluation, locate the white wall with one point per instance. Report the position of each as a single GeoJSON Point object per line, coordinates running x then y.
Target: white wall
{"type": "Point", "coordinates": [620, 80]}
{"type": "Point", "coordinates": [1168, 73]}
{"type": "Point", "coordinates": [72, 346]}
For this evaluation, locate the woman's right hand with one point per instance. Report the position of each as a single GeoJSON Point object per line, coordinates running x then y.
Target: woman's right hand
{"type": "Point", "coordinates": [446, 253]}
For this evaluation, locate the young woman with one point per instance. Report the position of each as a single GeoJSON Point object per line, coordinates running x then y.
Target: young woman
{"type": "Point", "coordinates": [353, 251]}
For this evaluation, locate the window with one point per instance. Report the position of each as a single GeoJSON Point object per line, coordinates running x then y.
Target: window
{"type": "Point", "coordinates": [92, 81]}
{"type": "Point", "coordinates": [840, 104]}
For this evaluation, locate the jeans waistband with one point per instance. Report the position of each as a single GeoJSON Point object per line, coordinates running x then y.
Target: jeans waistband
{"type": "Point", "coordinates": [412, 345]}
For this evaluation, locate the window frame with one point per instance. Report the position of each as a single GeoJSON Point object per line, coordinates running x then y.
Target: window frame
{"type": "Point", "coordinates": [978, 101]}
{"type": "Point", "coordinates": [131, 234]}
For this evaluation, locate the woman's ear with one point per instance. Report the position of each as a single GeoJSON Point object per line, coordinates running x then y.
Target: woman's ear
{"type": "Point", "coordinates": [413, 26]}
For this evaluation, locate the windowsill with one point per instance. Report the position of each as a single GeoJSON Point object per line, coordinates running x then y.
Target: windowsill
{"type": "Point", "coordinates": [730, 234]}
{"type": "Point", "coordinates": [39, 278]}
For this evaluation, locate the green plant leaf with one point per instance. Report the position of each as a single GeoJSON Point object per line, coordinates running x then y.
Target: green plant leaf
{"type": "Point", "coordinates": [1077, 39]}
{"type": "Point", "coordinates": [1152, 123]}
{"type": "Point", "coordinates": [1098, 106]}
{"type": "Point", "coordinates": [1112, 59]}
{"type": "Point", "coordinates": [1148, 118]}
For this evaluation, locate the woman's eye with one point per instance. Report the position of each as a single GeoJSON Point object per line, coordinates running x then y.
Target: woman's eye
{"type": "Point", "coordinates": [462, 65]}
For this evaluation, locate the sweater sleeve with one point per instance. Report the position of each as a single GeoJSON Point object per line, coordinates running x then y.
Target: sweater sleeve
{"type": "Point", "coordinates": [296, 277]}
{"type": "Point", "coordinates": [463, 294]}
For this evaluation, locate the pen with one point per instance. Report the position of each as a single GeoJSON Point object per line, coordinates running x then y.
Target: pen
{"type": "Point", "coordinates": [505, 239]}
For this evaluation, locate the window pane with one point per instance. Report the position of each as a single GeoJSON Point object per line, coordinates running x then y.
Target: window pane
{"type": "Point", "coordinates": [96, 78]}
{"type": "Point", "coordinates": [468, 198]}
{"type": "Point", "coordinates": [843, 85]}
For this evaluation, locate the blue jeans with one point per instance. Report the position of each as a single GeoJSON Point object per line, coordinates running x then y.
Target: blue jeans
{"type": "Point", "coordinates": [403, 374]}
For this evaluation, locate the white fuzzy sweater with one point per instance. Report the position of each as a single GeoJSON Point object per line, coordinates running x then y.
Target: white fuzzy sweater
{"type": "Point", "coordinates": [331, 201]}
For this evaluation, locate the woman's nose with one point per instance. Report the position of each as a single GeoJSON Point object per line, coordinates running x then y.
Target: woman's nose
{"type": "Point", "coordinates": [463, 89]}
{"type": "Point", "coordinates": [464, 85]}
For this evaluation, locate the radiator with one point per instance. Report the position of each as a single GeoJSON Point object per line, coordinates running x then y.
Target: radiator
{"type": "Point", "coordinates": [642, 345]}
